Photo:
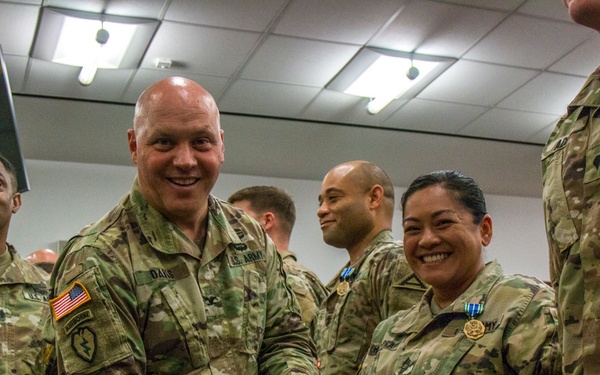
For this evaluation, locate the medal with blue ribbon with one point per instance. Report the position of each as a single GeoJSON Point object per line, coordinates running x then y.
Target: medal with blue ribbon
{"type": "Point", "coordinates": [344, 286]}
{"type": "Point", "coordinates": [474, 329]}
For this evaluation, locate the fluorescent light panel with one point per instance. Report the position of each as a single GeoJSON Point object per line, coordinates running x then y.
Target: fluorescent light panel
{"type": "Point", "coordinates": [381, 75]}
{"type": "Point", "coordinates": [69, 37]}
{"type": "Point", "coordinates": [77, 42]}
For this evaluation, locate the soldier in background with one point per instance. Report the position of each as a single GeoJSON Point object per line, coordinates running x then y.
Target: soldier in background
{"type": "Point", "coordinates": [174, 280]}
{"type": "Point", "coordinates": [43, 258]}
{"type": "Point", "coordinates": [571, 195]}
{"type": "Point", "coordinates": [274, 209]}
{"type": "Point", "coordinates": [23, 293]}
{"type": "Point", "coordinates": [356, 208]}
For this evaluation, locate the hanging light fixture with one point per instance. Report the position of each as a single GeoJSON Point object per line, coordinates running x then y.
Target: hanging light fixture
{"type": "Point", "coordinates": [385, 75]}
{"type": "Point", "coordinates": [92, 41]}
{"type": "Point", "coordinates": [88, 70]}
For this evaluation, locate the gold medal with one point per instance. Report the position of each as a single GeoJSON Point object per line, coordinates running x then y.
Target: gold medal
{"type": "Point", "coordinates": [474, 329]}
{"type": "Point", "coordinates": [343, 288]}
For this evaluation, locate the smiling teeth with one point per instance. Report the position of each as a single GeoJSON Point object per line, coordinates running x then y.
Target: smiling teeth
{"type": "Point", "coordinates": [184, 181]}
{"type": "Point", "coordinates": [434, 258]}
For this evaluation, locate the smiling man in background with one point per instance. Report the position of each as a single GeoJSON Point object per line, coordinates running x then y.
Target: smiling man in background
{"type": "Point", "coordinates": [356, 208]}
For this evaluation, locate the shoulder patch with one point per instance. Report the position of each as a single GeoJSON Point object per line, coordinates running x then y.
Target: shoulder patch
{"type": "Point", "coordinates": [69, 300]}
{"type": "Point", "coordinates": [83, 343]}
{"type": "Point", "coordinates": [412, 282]}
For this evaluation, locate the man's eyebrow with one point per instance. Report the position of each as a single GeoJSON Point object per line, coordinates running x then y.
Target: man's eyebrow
{"type": "Point", "coordinates": [328, 191]}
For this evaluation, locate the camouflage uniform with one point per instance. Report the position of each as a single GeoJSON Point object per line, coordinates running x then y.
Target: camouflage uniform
{"type": "Point", "coordinates": [571, 175]}
{"type": "Point", "coordinates": [151, 306]}
{"type": "Point", "coordinates": [23, 311]}
{"type": "Point", "coordinates": [381, 285]}
{"type": "Point", "coordinates": [307, 287]}
{"type": "Point", "coordinates": [520, 332]}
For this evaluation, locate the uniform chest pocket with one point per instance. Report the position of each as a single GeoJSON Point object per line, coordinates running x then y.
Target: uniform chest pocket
{"type": "Point", "coordinates": [559, 222]}
{"type": "Point", "coordinates": [235, 311]}
{"type": "Point", "coordinates": [191, 327]}
{"type": "Point", "coordinates": [349, 324]}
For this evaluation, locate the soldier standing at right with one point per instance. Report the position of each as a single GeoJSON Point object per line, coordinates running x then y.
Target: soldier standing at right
{"type": "Point", "coordinates": [571, 194]}
{"type": "Point", "coordinates": [356, 208]}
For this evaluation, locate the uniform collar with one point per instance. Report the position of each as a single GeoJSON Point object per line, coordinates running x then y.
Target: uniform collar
{"type": "Point", "coordinates": [166, 237]}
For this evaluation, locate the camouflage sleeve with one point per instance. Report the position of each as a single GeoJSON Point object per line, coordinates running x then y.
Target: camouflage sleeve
{"type": "Point", "coordinates": [532, 344]}
{"type": "Point", "coordinates": [406, 288]}
{"type": "Point", "coordinates": [318, 289]}
{"type": "Point", "coordinates": [94, 315]}
{"type": "Point", "coordinates": [287, 347]}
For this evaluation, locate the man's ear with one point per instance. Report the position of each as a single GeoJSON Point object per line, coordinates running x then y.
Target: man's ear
{"type": "Point", "coordinates": [268, 220]}
{"type": "Point", "coordinates": [376, 195]}
{"type": "Point", "coordinates": [132, 145]}
{"type": "Point", "coordinates": [16, 202]}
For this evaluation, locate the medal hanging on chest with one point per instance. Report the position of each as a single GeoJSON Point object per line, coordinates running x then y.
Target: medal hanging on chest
{"type": "Point", "coordinates": [344, 286]}
{"type": "Point", "coordinates": [474, 329]}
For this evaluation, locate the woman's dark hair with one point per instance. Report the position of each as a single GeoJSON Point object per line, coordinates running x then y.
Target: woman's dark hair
{"type": "Point", "coordinates": [465, 189]}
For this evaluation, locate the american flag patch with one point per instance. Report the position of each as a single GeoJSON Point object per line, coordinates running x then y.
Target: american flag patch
{"type": "Point", "coordinates": [71, 299]}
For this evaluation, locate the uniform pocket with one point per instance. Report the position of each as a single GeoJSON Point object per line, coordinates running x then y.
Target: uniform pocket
{"type": "Point", "coordinates": [559, 223]}
{"type": "Point", "coordinates": [192, 332]}
{"type": "Point", "coordinates": [254, 314]}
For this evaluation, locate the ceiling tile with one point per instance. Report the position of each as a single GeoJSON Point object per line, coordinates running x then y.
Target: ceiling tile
{"type": "Point", "coordinates": [505, 5]}
{"type": "Point", "coordinates": [144, 78]}
{"type": "Point", "coordinates": [51, 79]}
{"type": "Point", "coordinates": [209, 51]}
{"type": "Point", "coordinates": [476, 83]}
{"type": "Point", "coordinates": [298, 61]}
{"type": "Point", "coordinates": [17, 28]}
{"type": "Point", "coordinates": [130, 8]}
{"type": "Point", "coordinates": [236, 14]}
{"type": "Point", "coordinates": [582, 61]}
{"type": "Point", "coordinates": [437, 29]}
{"type": "Point", "coordinates": [331, 105]}
{"type": "Point", "coordinates": [547, 93]}
{"type": "Point", "coordinates": [16, 67]}
{"type": "Point", "coordinates": [267, 98]}
{"type": "Point", "coordinates": [348, 21]}
{"type": "Point", "coordinates": [448, 118]}
{"type": "Point", "coordinates": [507, 125]}
{"type": "Point", "coordinates": [528, 42]}
{"type": "Point", "coordinates": [548, 9]}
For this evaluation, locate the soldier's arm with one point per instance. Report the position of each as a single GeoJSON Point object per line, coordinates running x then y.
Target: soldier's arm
{"type": "Point", "coordinates": [397, 288]}
{"type": "Point", "coordinates": [532, 345]}
{"type": "Point", "coordinates": [287, 347]}
{"type": "Point", "coordinates": [94, 320]}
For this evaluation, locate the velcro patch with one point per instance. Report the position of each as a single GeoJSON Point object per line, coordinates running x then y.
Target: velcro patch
{"type": "Point", "coordinates": [71, 299]}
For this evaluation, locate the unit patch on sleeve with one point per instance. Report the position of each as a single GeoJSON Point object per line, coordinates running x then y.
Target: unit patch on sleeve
{"type": "Point", "coordinates": [71, 299]}
{"type": "Point", "coordinates": [83, 343]}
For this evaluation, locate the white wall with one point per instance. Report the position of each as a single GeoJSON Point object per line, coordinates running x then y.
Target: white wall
{"type": "Point", "coordinates": [64, 197]}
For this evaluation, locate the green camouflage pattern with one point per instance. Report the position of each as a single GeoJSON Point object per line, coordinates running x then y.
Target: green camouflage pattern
{"type": "Point", "coordinates": [571, 196]}
{"type": "Point", "coordinates": [381, 285]}
{"type": "Point", "coordinates": [520, 336]}
{"type": "Point", "coordinates": [23, 312]}
{"type": "Point", "coordinates": [307, 287]}
{"type": "Point", "coordinates": [157, 308]}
